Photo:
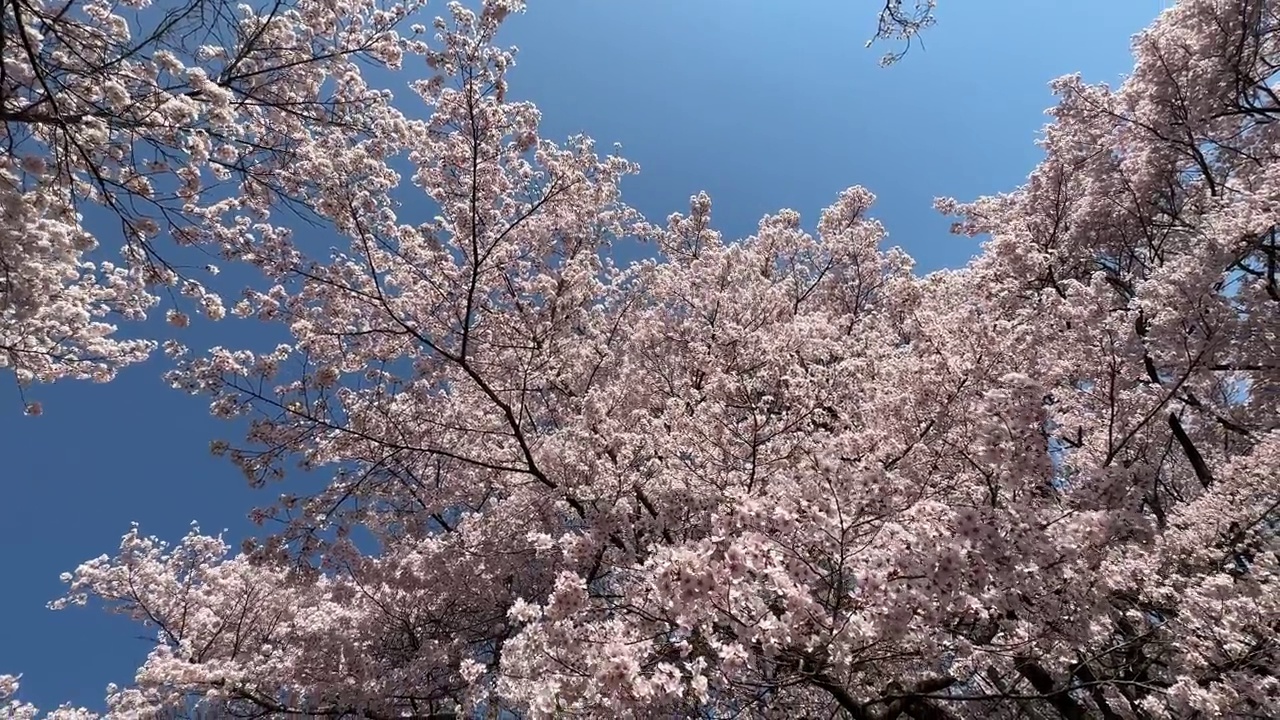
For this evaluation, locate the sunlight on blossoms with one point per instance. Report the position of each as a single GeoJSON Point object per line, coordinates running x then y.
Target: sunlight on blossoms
{"type": "Point", "coordinates": [505, 475]}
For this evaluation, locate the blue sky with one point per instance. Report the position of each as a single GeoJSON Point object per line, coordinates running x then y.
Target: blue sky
{"type": "Point", "coordinates": [763, 104]}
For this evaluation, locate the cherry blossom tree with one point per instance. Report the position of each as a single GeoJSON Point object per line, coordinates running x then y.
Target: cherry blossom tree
{"type": "Point", "coordinates": [782, 476]}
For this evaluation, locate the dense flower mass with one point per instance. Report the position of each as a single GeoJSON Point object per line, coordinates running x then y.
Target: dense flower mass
{"type": "Point", "coordinates": [782, 476]}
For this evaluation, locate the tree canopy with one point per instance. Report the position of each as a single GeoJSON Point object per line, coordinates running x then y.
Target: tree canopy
{"type": "Point", "coordinates": [778, 476]}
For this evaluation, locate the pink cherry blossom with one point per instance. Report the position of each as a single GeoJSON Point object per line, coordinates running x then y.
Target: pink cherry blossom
{"type": "Point", "coordinates": [102, 109]}
{"type": "Point", "coordinates": [776, 476]}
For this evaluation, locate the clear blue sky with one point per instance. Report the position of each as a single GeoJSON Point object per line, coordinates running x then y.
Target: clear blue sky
{"type": "Point", "coordinates": [763, 104]}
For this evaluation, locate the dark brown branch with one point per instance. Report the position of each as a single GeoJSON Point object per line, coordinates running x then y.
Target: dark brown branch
{"type": "Point", "coordinates": [1189, 449]}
